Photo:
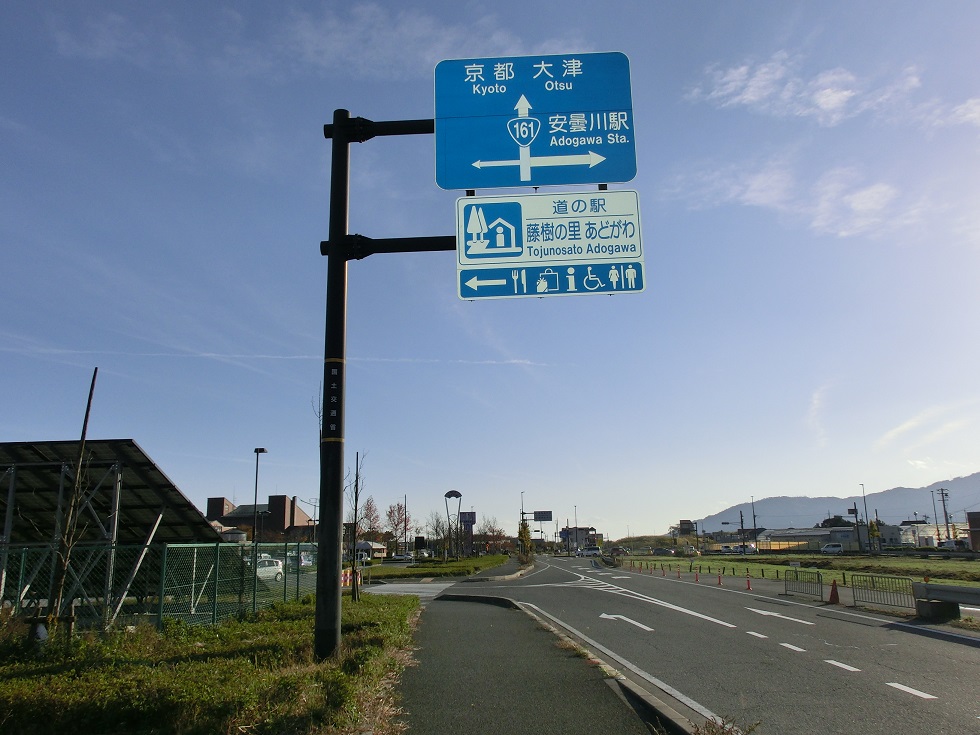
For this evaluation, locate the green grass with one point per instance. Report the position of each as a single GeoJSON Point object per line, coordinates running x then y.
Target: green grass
{"type": "Point", "coordinates": [434, 568]}
{"type": "Point", "coordinates": [837, 568]}
{"type": "Point", "coordinates": [251, 676]}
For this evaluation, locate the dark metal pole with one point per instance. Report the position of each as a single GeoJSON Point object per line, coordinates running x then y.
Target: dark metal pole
{"type": "Point", "coordinates": [340, 248]}
{"type": "Point", "coordinates": [326, 632]}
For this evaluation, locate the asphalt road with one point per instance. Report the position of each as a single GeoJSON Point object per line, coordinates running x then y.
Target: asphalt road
{"type": "Point", "coordinates": [791, 664]}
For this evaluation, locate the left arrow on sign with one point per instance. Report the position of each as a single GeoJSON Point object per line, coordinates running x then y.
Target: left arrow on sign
{"type": "Point", "coordinates": [626, 620]}
{"type": "Point", "coordinates": [475, 282]}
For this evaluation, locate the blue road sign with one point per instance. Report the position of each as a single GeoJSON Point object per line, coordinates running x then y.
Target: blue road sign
{"type": "Point", "coordinates": [534, 121]}
{"type": "Point", "coordinates": [555, 244]}
{"type": "Point", "coordinates": [570, 278]}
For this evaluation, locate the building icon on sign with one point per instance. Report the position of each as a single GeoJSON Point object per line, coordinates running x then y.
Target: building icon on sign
{"type": "Point", "coordinates": [493, 231]}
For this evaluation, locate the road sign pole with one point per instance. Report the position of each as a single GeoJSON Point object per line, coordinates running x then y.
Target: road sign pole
{"type": "Point", "coordinates": [340, 248]}
{"type": "Point", "coordinates": [326, 631]}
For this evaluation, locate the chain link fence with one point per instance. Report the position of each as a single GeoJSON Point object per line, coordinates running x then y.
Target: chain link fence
{"type": "Point", "coordinates": [199, 583]}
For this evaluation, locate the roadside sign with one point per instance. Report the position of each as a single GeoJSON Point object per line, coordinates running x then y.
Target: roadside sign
{"type": "Point", "coordinates": [534, 121]}
{"type": "Point", "coordinates": [560, 244]}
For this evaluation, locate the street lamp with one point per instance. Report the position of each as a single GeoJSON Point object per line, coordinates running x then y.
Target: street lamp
{"type": "Point", "coordinates": [459, 499]}
{"type": "Point", "coordinates": [255, 524]}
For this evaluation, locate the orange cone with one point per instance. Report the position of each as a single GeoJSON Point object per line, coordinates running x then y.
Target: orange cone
{"type": "Point", "coordinates": [834, 595]}
{"type": "Point", "coordinates": [748, 582]}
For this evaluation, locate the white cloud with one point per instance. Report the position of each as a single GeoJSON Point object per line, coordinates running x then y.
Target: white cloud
{"type": "Point", "coordinates": [840, 202]}
{"type": "Point", "coordinates": [967, 113]}
{"type": "Point", "coordinates": [778, 87]}
{"type": "Point", "coordinates": [844, 207]}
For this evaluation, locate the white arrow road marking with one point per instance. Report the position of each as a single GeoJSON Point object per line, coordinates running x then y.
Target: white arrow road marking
{"type": "Point", "coordinates": [839, 665]}
{"type": "Point", "coordinates": [626, 620]}
{"type": "Point", "coordinates": [475, 282]}
{"type": "Point", "coordinates": [770, 614]}
{"type": "Point", "coordinates": [910, 690]}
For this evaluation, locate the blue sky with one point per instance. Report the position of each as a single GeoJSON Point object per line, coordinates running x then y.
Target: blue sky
{"type": "Point", "coordinates": [808, 174]}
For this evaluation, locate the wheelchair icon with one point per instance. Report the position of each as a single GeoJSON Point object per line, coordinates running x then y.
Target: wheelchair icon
{"type": "Point", "coordinates": [591, 281]}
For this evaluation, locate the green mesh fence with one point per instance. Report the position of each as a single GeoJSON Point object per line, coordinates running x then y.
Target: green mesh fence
{"type": "Point", "coordinates": [197, 583]}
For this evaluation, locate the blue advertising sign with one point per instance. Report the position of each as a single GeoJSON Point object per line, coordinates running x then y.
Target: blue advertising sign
{"type": "Point", "coordinates": [558, 244]}
{"type": "Point", "coordinates": [534, 121]}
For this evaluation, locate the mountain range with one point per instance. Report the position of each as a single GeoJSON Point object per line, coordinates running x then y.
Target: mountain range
{"type": "Point", "coordinates": [890, 506]}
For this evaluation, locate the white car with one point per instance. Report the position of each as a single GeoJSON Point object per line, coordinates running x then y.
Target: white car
{"type": "Point", "coordinates": [270, 569]}
{"type": "Point", "coordinates": [589, 551]}
{"type": "Point", "coordinates": [401, 557]}
{"type": "Point", "coordinates": [832, 549]}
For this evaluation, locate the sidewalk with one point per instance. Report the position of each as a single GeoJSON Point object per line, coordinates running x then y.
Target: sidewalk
{"type": "Point", "coordinates": [488, 668]}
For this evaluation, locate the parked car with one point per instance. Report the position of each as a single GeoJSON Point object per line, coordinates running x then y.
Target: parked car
{"type": "Point", "coordinates": [832, 549]}
{"type": "Point", "coordinates": [619, 551]}
{"type": "Point", "coordinates": [401, 557]}
{"type": "Point", "coordinates": [663, 552]}
{"type": "Point", "coordinates": [269, 569]}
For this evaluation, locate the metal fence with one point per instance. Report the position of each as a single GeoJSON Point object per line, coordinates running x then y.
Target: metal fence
{"type": "Point", "coordinates": [804, 582]}
{"type": "Point", "coordinates": [876, 589]}
{"type": "Point", "coordinates": [109, 585]}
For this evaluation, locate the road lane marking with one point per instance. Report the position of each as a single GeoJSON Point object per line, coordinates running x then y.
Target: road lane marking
{"type": "Point", "coordinates": [757, 635]}
{"type": "Point", "coordinates": [626, 620]}
{"type": "Point", "coordinates": [662, 685]}
{"type": "Point", "coordinates": [910, 690]}
{"type": "Point", "coordinates": [839, 665]}
{"type": "Point", "coordinates": [771, 614]}
{"type": "Point", "coordinates": [791, 647]}
{"type": "Point", "coordinates": [602, 586]}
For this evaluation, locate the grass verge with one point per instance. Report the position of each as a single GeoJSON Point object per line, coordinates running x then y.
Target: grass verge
{"type": "Point", "coordinates": [434, 568]}
{"type": "Point", "coordinates": [255, 676]}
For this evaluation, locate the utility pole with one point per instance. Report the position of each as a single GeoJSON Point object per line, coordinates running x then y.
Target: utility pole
{"type": "Point", "coordinates": [943, 497]}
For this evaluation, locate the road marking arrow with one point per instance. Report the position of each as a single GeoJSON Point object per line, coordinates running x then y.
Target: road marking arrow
{"type": "Point", "coordinates": [767, 613]}
{"type": "Point", "coordinates": [475, 282]}
{"type": "Point", "coordinates": [626, 620]}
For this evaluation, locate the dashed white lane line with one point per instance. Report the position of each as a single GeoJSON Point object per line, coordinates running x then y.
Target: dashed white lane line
{"type": "Point", "coordinates": [910, 690]}
{"type": "Point", "coordinates": [839, 665]}
{"type": "Point", "coordinates": [791, 647]}
{"type": "Point", "coordinates": [757, 635]}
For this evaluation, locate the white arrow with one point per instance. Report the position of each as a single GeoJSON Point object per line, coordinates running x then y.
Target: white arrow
{"type": "Point", "coordinates": [626, 620]}
{"type": "Point", "coordinates": [590, 159]}
{"type": "Point", "coordinates": [769, 614]}
{"type": "Point", "coordinates": [475, 282]}
{"type": "Point", "coordinates": [522, 106]}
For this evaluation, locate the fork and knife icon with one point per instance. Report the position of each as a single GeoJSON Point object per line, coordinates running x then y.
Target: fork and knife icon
{"type": "Point", "coordinates": [523, 276]}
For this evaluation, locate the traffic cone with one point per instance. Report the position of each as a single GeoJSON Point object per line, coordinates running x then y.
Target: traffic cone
{"type": "Point", "coordinates": [748, 581]}
{"type": "Point", "coordinates": [696, 577]}
{"type": "Point", "coordinates": [719, 579]}
{"type": "Point", "coordinates": [834, 595]}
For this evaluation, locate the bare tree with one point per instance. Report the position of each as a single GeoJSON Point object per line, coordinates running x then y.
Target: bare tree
{"type": "Point", "coordinates": [398, 520]}
{"type": "Point", "coordinates": [371, 518]}
{"type": "Point", "coordinates": [355, 521]}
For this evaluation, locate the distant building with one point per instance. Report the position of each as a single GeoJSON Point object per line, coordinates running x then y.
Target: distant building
{"type": "Point", "coordinates": [280, 519]}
